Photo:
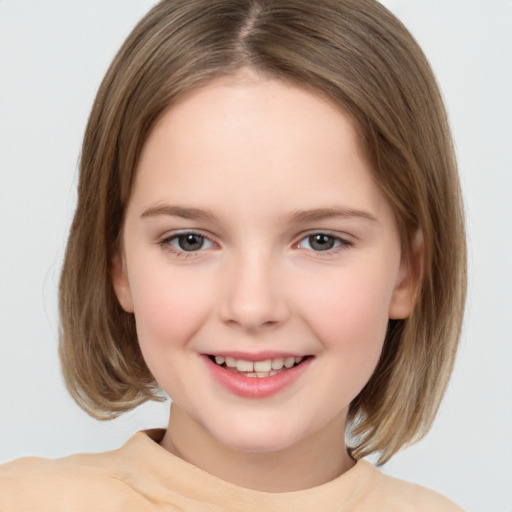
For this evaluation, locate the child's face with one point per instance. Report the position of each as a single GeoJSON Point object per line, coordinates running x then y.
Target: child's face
{"type": "Point", "coordinates": [255, 231]}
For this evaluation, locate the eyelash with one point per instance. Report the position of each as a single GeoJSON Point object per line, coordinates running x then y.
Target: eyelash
{"type": "Point", "coordinates": [166, 243]}
{"type": "Point", "coordinates": [340, 244]}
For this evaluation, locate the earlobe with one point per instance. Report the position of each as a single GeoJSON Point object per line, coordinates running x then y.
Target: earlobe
{"type": "Point", "coordinates": [408, 282]}
{"type": "Point", "coordinates": [120, 283]}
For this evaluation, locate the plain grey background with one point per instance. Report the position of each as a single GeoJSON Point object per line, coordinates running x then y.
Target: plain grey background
{"type": "Point", "coordinates": [53, 54]}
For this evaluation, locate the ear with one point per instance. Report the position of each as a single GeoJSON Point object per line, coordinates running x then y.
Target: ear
{"type": "Point", "coordinates": [120, 282]}
{"type": "Point", "coordinates": [408, 281]}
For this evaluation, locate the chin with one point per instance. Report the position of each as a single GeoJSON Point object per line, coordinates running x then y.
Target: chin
{"type": "Point", "coordinates": [257, 438]}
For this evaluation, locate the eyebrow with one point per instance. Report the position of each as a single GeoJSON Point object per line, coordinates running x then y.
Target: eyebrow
{"type": "Point", "coordinates": [178, 211]}
{"type": "Point", "coordinates": [299, 216]}
{"type": "Point", "coordinates": [329, 213]}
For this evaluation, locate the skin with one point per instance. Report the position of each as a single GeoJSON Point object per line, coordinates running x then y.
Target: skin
{"type": "Point", "coordinates": [251, 152]}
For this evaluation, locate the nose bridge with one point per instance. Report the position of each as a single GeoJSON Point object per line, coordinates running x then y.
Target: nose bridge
{"type": "Point", "coordinates": [254, 297]}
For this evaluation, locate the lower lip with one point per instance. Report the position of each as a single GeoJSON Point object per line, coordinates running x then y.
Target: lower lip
{"type": "Point", "coordinates": [256, 387]}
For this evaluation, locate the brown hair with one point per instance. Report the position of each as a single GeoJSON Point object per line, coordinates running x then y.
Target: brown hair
{"type": "Point", "coordinates": [360, 56]}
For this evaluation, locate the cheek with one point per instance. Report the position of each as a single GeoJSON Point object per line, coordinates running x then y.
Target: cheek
{"type": "Point", "coordinates": [350, 316]}
{"type": "Point", "coordinates": [168, 310]}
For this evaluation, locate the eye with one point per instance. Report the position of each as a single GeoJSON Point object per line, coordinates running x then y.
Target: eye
{"type": "Point", "coordinates": [187, 242]}
{"type": "Point", "coordinates": [321, 242]}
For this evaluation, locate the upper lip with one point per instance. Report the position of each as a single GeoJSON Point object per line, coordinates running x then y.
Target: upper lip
{"type": "Point", "coordinates": [257, 356]}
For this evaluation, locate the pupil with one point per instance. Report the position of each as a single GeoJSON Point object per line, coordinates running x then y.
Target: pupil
{"type": "Point", "coordinates": [190, 242]}
{"type": "Point", "coordinates": [321, 242]}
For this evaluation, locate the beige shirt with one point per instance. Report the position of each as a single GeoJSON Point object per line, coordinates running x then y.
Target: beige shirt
{"type": "Point", "coordinates": [142, 476]}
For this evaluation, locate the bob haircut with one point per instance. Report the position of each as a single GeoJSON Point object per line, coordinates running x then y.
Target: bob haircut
{"type": "Point", "coordinates": [360, 57]}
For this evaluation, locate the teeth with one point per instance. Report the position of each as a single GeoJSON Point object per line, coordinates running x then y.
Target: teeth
{"type": "Point", "coordinates": [260, 374]}
{"type": "Point", "coordinates": [289, 362]}
{"type": "Point", "coordinates": [278, 363]}
{"type": "Point", "coordinates": [230, 362]}
{"type": "Point", "coordinates": [244, 366]}
{"type": "Point", "coordinates": [263, 366]}
{"type": "Point", "coordinates": [266, 368]}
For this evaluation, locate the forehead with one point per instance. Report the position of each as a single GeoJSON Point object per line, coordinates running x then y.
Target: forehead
{"type": "Point", "coordinates": [246, 136]}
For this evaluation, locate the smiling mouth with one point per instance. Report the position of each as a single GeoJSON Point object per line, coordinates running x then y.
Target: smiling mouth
{"type": "Point", "coordinates": [258, 369]}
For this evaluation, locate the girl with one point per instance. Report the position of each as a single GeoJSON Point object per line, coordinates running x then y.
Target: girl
{"type": "Point", "coordinates": [269, 229]}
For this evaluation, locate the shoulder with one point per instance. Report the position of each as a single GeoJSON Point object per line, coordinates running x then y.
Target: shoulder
{"type": "Point", "coordinates": [393, 494]}
{"type": "Point", "coordinates": [79, 482]}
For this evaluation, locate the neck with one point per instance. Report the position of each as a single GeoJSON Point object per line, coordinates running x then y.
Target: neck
{"type": "Point", "coordinates": [312, 461]}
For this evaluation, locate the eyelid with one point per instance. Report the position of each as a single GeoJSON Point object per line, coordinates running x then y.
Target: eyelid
{"type": "Point", "coordinates": [344, 241]}
{"type": "Point", "coordinates": [165, 241]}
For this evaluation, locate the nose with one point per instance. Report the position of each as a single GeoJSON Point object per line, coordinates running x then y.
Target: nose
{"type": "Point", "coordinates": [254, 296]}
